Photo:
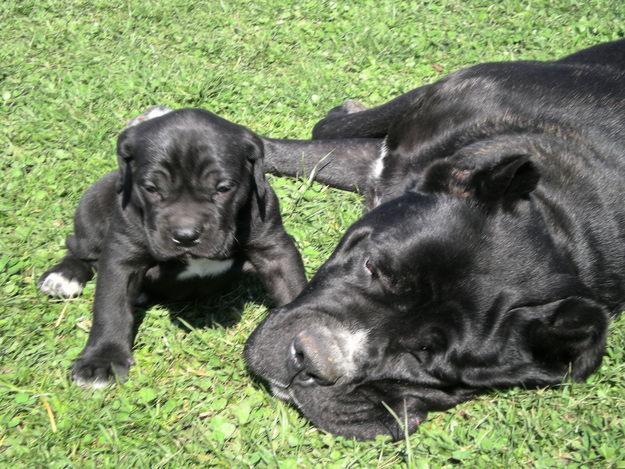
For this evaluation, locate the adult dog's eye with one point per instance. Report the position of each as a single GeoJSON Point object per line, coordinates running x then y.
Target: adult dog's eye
{"type": "Point", "coordinates": [152, 189]}
{"type": "Point", "coordinates": [422, 353]}
{"type": "Point", "coordinates": [369, 266]}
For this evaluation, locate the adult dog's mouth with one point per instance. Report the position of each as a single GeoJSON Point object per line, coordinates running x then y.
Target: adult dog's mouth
{"type": "Point", "coordinates": [281, 392]}
{"type": "Point", "coordinates": [360, 414]}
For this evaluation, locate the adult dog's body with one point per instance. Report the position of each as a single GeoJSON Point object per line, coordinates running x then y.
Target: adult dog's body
{"type": "Point", "coordinates": [188, 206]}
{"type": "Point", "coordinates": [492, 256]}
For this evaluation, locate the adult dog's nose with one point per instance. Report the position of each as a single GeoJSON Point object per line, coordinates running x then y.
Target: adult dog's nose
{"type": "Point", "coordinates": [186, 235]}
{"type": "Point", "coordinates": [316, 357]}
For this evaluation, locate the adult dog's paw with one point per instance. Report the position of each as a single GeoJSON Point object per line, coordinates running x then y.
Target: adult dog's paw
{"type": "Point", "coordinates": [101, 366]}
{"type": "Point", "coordinates": [326, 127]}
{"type": "Point", "coordinates": [349, 106]}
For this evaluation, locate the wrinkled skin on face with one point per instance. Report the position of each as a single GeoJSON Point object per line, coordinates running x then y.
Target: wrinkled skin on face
{"type": "Point", "coordinates": [492, 256]}
{"type": "Point", "coordinates": [187, 211]}
{"type": "Point", "coordinates": [178, 175]}
{"type": "Point", "coordinates": [418, 332]}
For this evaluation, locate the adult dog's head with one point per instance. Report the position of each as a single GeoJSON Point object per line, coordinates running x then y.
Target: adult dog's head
{"type": "Point", "coordinates": [189, 173]}
{"type": "Point", "coordinates": [453, 288]}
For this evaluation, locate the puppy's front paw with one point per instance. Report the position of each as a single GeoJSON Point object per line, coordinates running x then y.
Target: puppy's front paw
{"type": "Point", "coordinates": [57, 285]}
{"type": "Point", "coordinates": [99, 367]}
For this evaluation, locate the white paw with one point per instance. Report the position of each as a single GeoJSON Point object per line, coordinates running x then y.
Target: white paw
{"type": "Point", "coordinates": [152, 113]}
{"type": "Point", "coordinates": [352, 106]}
{"type": "Point", "coordinates": [92, 384]}
{"type": "Point", "coordinates": [56, 285]}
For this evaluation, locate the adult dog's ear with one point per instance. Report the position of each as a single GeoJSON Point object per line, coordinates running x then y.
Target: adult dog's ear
{"type": "Point", "coordinates": [489, 178]}
{"type": "Point", "coordinates": [255, 155]}
{"type": "Point", "coordinates": [568, 335]}
{"type": "Point", "coordinates": [125, 144]}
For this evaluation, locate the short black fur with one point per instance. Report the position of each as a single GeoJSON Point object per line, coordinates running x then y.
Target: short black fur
{"type": "Point", "coordinates": [492, 254]}
{"type": "Point", "coordinates": [188, 209]}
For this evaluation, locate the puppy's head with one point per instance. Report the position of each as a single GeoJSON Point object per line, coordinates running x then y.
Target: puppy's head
{"type": "Point", "coordinates": [189, 173]}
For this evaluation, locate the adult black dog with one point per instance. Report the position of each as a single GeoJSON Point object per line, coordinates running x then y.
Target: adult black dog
{"type": "Point", "coordinates": [189, 204]}
{"type": "Point", "coordinates": [493, 254]}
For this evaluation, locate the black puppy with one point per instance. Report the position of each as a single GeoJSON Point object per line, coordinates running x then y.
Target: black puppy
{"type": "Point", "coordinates": [189, 203]}
{"type": "Point", "coordinates": [493, 254]}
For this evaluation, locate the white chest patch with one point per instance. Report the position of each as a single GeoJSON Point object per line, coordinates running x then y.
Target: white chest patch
{"type": "Point", "coordinates": [205, 268]}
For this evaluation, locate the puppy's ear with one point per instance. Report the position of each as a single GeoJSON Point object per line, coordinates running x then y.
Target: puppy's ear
{"type": "Point", "coordinates": [125, 144]}
{"type": "Point", "coordinates": [489, 178]}
{"type": "Point", "coordinates": [125, 149]}
{"type": "Point", "coordinates": [568, 335]}
{"type": "Point", "coordinates": [255, 154]}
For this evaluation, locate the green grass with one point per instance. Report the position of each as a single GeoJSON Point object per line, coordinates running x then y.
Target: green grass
{"type": "Point", "coordinates": [72, 72]}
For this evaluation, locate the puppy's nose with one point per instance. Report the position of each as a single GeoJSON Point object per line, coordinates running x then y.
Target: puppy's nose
{"type": "Point", "coordinates": [313, 358]}
{"type": "Point", "coordinates": [186, 235]}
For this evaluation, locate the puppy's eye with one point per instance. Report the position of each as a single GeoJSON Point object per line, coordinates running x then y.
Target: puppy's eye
{"type": "Point", "coordinates": [152, 189]}
{"type": "Point", "coordinates": [224, 187]}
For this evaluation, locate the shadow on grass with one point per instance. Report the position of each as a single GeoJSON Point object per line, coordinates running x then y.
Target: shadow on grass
{"type": "Point", "coordinates": [219, 306]}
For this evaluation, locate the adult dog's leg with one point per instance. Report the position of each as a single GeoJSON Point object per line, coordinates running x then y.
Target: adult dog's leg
{"type": "Point", "coordinates": [352, 119]}
{"type": "Point", "coordinates": [609, 54]}
{"type": "Point", "coordinates": [345, 144]}
{"type": "Point", "coordinates": [341, 163]}
{"type": "Point", "coordinates": [91, 220]}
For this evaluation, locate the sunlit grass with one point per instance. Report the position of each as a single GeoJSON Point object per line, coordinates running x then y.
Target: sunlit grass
{"type": "Point", "coordinates": [71, 74]}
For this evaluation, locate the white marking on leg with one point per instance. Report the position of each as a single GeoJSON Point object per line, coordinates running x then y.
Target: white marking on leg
{"type": "Point", "coordinates": [205, 268]}
{"type": "Point", "coordinates": [56, 285]}
{"type": "Point", "coordinates": [378, 165]}
{"type": "Point", "coordinates": [281, 393]}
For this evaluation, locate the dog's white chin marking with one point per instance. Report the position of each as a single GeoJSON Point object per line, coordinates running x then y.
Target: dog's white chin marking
{"type": "Point", "coordinates": [378, 166]}
{"type": "Point", "coordinates": [96, 384]}
{"type": "Point", "coordinates": [56, 285]}
{"type": "Point", "coordinates": [281, 393]}
{"type": "Point", "coordinates": [205, 268]}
